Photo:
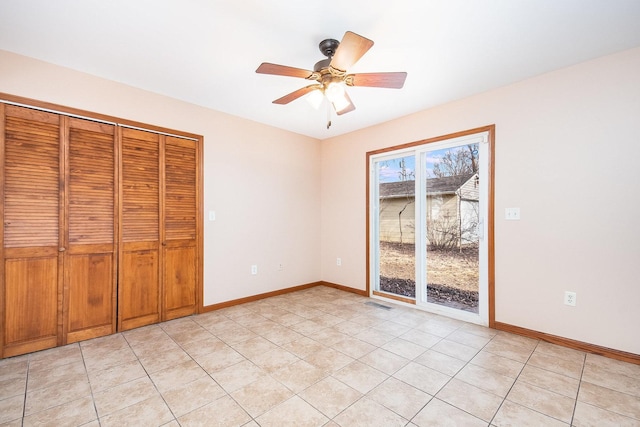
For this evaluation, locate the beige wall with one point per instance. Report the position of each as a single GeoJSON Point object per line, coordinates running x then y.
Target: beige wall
{"type": "Point", "coordinates": [253, 175]}
{"type": "Point", "coordinates": [567, 144]}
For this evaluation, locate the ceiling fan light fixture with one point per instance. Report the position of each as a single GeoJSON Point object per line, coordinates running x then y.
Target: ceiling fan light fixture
{"type": "Point", "coordinates": [315, 98]}
{"type": "Point", "coordinates": [335, 91]}
{"type": "Point", "coordinates": [336, 94]}
{"type": "Point", "coordinates": [341, 105]}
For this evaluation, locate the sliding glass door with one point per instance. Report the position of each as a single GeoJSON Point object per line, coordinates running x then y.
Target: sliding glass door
{"type": "Point", "coordinates": [396, 224]}
{"type": "Point", "coordinates": [428, 221]}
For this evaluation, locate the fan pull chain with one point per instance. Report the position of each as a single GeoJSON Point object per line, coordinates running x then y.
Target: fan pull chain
{"type": "Point", "coordinates": [328, 114]}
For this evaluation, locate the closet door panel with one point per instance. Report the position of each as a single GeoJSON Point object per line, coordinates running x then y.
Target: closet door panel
{"type": "Point", "coordinates": [31, 294]}
{"type": "Point", "coordinates": [180, 279]}
{"type": "Point", "coordinates": [140, 301]}
{"type": "Point", "coordinates": [90, 303]}
{"type": "Point", "coordinates": [90, 279]}
{"type": "Point", "coordinates": [139, 285]}
{"type": "Point", "coordinates": [180, 227]}
{"type": "Point", "coordinates": [31, 305]}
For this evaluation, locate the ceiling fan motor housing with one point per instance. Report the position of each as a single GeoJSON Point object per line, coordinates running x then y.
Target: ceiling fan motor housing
{"type": "Point", "coordinates": [328, 47]}
{"type": "Point", "coordinates": [322, 64]}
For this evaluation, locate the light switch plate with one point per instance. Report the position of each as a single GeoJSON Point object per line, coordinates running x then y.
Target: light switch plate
{"type": "Point", "coordinates": [212, 215]}
{"type": "Point", "coordinates": [512, 214]}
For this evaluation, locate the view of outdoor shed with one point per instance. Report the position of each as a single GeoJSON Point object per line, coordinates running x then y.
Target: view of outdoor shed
{"type": "Point", "coordinates": [452, 211]}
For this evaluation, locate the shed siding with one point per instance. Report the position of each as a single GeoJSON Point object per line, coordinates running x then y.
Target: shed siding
{"type": "Point", "coordinates": [470, 189]}
{"type": "Point", "coordinates": [442, 212]}
{"type": "Point", "coordinates": [390, 220]}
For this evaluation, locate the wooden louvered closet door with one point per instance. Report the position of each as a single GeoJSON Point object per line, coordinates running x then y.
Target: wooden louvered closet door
{"type": "Point", "coordinates": [30, 302]}
{"type": "Point", "coordinates": [139, 293]}
{"type": "Point", "coordinates": [90, 257]}
{"type": "Point", "coordinates": [58, 236]}
{"type": "Point", "coordinates": [101, 229]}
{"type": "Point", "coordinates": [180, 227]}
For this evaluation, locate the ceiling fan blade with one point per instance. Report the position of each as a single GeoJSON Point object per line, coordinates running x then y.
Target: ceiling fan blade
{"type": "Point", "coordinates": [388, 80]}
{"type": "Point", "coordinates": [296, 94]}
{"type": "Point", "coordinates": [350, 50]}
{"type": "Point", "coordinates": [283, 70]}
{"type": "Point", "coordinates": [347, 109]}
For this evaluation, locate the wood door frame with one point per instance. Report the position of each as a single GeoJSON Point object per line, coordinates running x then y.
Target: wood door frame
{"type": "Point", "coordinates": [490, 129]}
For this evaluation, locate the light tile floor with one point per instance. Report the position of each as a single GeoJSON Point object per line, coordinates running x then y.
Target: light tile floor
{"type": "Point", "coordinates": [318, 357]}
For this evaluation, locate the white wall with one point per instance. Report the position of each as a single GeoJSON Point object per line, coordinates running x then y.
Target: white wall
{"type": "Point", "coordinates": [567, 153]}
{"type": "Point", "coordinates": [262, 182]}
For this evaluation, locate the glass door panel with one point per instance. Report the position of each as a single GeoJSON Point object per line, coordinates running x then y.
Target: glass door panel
{"type": "Point", "coordinates": [396, 226]}
{"type": "Point", "coordinates": [452, 217]}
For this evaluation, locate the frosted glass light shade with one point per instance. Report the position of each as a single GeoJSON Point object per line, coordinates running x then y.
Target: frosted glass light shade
{"type": "Point", "coordinates": [337, 95]}
{"type": "Point", "coordinates": [315, 98]}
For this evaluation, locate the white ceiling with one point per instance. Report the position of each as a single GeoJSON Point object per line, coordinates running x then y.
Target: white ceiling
{"type": "Point", "coordinates": [206, 51]}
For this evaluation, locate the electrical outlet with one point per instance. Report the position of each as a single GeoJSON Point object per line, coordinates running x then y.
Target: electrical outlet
{"type": "Point", "coordinates": [338, 262]}
{"type": "Point", "coordinates": [280, 267]}
{"type": "Point", "coordinates": [254, 269]}
{"type": "Point", "coordinates": [570, 298]}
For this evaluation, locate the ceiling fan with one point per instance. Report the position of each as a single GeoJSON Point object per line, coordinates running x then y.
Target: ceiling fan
{"type": "Point", "coordinates": [331, 74]}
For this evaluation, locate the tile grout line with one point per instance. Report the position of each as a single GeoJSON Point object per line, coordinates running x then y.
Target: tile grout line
{"type": "Point", "coordinates": [151, 379]}
{"type": "Point", "coordinates": [210, 376]}
{"type": "Point", "coordinates": [524, 365]}
{"type": "Point", "coordinates": [93, 400]}
{"type": "Point", "coordinates": [445, 384]}
{"type": "Point", "coordinates": [26, 393]}
{"type": "Point", "coordinates": [575, 405]}
{"type": "Point", "coordinates": [469, 363]}
{"type": "Point", "coordinates": [26, 389]}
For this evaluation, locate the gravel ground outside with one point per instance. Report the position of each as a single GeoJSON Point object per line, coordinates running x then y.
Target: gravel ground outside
{"type": "Point", "coordinates": [452, 275]}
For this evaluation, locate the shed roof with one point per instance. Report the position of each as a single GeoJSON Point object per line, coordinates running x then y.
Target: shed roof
{"type": "Point", "coordinates": [445, 185]}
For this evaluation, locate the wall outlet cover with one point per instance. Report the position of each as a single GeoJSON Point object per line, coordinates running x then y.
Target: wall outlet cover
{"type": "Point", "coordinates": [570, 298]}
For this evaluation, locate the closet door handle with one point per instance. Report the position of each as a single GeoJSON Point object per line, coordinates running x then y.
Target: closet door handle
{"type": "Point", "coordinates": [61, 249]}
